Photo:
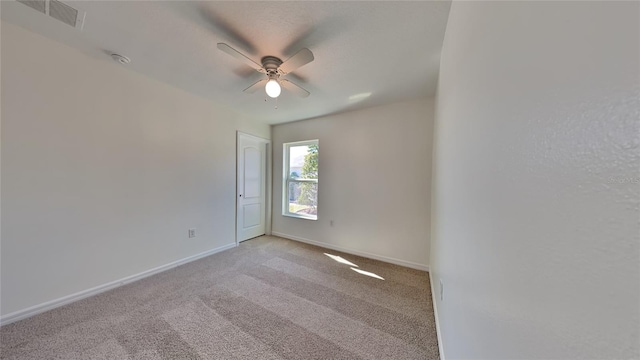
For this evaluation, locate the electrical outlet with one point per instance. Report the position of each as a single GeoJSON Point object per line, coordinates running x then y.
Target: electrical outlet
{"type": "Point", "coordinates": [441, 291]}
{"type": "Point", "coordinates": [192, 233]}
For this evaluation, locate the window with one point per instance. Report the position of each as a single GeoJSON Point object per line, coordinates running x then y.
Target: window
{"type": "Point", "coordinates": [300, 185]}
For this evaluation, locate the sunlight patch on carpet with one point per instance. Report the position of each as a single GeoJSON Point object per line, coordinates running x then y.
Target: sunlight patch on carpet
{"type": "Point", "coordinates": [341, 260]}
{"type": "Point", "coordinates": [368, 273]}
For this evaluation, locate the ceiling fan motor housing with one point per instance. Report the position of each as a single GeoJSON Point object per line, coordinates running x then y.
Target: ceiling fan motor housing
{"type": "Point", "coordinates": [271, 64]}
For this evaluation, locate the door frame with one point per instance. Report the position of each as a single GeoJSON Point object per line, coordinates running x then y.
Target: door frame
{"type": "Point", "coordinates": [268, 181]}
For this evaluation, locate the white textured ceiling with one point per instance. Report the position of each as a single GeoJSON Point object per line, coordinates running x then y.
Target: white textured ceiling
{"type": "Point", "coordinates": [388, 49]}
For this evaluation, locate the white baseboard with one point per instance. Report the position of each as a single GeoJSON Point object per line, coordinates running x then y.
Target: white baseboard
{"type": "Point", "coordinates": [386, 259]}
{"type": "Point", "coordinates": [435, 313]}
{"type": "Point", "coordinates": [49, 305]}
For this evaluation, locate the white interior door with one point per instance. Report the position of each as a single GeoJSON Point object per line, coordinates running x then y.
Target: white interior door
{"type": "Point", "coordinates": [252, 186]}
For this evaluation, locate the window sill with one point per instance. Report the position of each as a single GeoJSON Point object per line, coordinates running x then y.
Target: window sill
{"type": "Point", "coordinates": [314, 218]}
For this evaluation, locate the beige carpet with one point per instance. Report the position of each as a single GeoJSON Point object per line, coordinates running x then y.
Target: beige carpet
{"type": "Point", "coordinates": [270, 298]}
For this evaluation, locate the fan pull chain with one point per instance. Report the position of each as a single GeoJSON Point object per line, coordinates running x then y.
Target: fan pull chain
{"type": "Point", "coordinates": [276, 104]}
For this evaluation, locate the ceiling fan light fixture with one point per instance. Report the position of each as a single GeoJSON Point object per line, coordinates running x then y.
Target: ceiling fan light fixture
{"type": "Point", "coordinates": [273, 88]}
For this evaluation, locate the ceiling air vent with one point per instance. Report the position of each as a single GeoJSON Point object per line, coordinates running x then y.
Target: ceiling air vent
{"type": "Point", "coordinates": [63, 12]}
{"type": "Point", "coordinates": [58, 10]}
{"type": "Point", "coordinates": [35, 4]}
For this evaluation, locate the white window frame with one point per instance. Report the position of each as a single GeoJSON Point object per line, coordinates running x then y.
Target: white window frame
{"type": "Point", "coordinates": [286, 171]}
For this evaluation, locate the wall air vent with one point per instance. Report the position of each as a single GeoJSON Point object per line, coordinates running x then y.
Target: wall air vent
{"type": "Point", "coordinates": [58, 10]}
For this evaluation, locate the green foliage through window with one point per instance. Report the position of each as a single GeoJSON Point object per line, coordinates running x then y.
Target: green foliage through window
{"type": "Point", "coordinates": [309, 191]}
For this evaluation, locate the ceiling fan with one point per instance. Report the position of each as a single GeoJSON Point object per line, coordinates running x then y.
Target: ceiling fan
{"type": "Point", "coordinates": [274, 69]}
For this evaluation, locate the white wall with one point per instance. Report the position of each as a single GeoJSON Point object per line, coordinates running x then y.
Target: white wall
{"type": "Point", "coordinates": [103, 171]}
{"type": "Point", "coordinates": [536, 181]}
{"type": "Point", "coordinates": [374, 181]}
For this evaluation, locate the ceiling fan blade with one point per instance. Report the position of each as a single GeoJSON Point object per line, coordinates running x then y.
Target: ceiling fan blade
{"type": "Point", "coordinates": [294, 88]}
{"type": "Point", "coordinates": [240, 56]}
{"type": "Point", "coordinates": [260, 83]}
{"type": "Point", "coordinates": [221, 26]}
{"type": "Point", "coordinates": [301, 58]}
